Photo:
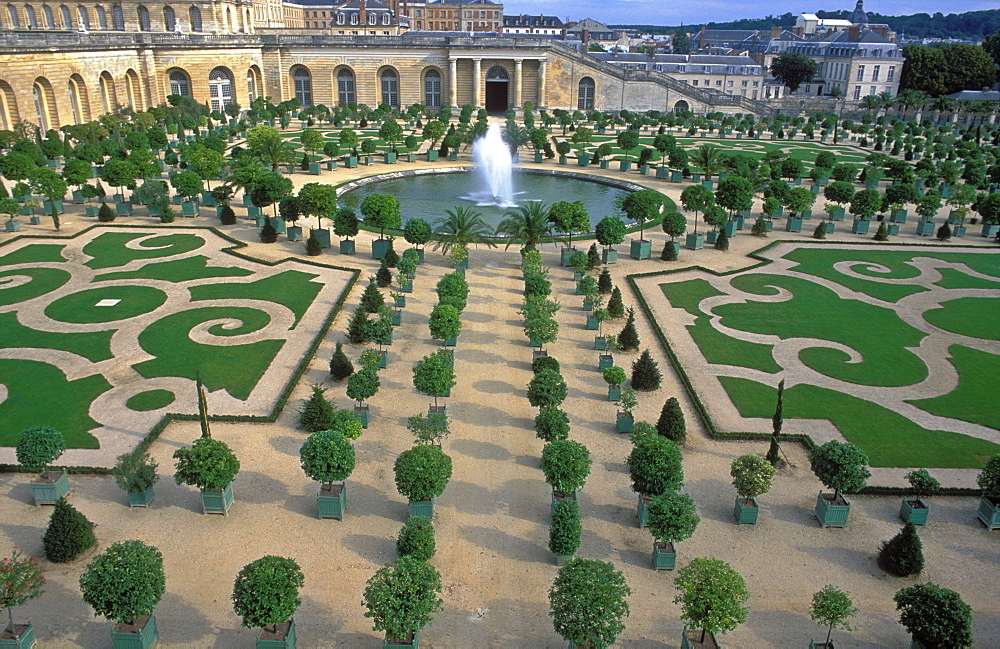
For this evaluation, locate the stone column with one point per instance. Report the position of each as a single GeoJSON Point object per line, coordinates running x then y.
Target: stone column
{"type": "Point", "coordinates": [541, 83]}
{"type": "Point", "coordinates": [477, 84]}
{"type": "Point", "coordinates": [517, 83]}
{"type": "Point", "coordinates": [453, 82]}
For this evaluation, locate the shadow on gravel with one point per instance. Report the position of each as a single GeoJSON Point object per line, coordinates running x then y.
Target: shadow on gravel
{"type": "Point", "coordinates": [470, 498]}
{"type": "Point", "coordinates": [480, 357]}
{"type": "Point", "coordinates": [480, 450]}
{"type": "Point", "coordinates": [505, 545]}
{"type": "Point", "coordinates": [256, 488]}
{"type": "Point", "coordinates": [178, 621]}
{"type": "Point", "coordinates": [287, 444]}
{"type": "Point", "coordinates": [376, 549]}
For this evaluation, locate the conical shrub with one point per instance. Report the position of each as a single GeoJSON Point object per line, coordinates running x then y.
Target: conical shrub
{"type": "Point", "coordinates": [615, 305]}
{"type": "Point", "coordinates": [671, 423]}
{"type": "Point", "coordinates": [902, 555]}
{"type": "Point", "coordinates": [68, 535]}
{"type": "Point", "coordinates": [645, 372]}
{"type": "Point", "coordinates": [341, 366]}
{"type": "Point", "coordinates": [317, 412]}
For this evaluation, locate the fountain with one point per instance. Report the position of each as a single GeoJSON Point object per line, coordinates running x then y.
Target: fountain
{"type": "Point", "coordinates": [494, 165]}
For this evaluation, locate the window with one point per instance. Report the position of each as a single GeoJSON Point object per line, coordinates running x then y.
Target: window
{"type": "Point", "coordinates": [220, 88]}
{"type": "Point", "coordinates": [119, 17]}
{"type": "Point", "coordinates": [432, 89]}
{"type": "Point", "coordinates": [872, 90]}
{"type": "Point", "coordinates": [585, 94]}
{"type": "Point", "coordinates": [36, 94]}
{"type": "Point", "coordinates": [303, 85]}
{"type": "Point", "coordinates": [729, 84]}
{"type": "Point", "coordinates": [84, 16]}
{"type": "Point", "coordinates": [345, 87]}
{"type": "Point", "coordinates": [891, 73]}
{"type": "Point", "coordinates": [340, 19]}
{"type": "Point", "coordinates": [875, 71]}
{"type": "Point", "coordinates": [74, 102]}
{"type": "Point", "coordinates": [66, 18]}
{"type": "Point", "coordinates": [102, 17]}
{"type": "Point", "coordinates": [143, 19]}
{"type": "Point", "coordinates": [50, 22]}
{"type": "Point", "coordinates": [755, 84]}
{"type": "Point", "coordinates": [718, 83]}
{"type": "Point", "coordinates": [251, 86]}
{"type": "Point", "coordinates": [390, 88]}
{"type": "Point", "coordinates": [861, 73]}
{"type": "Point", "coordinates": [745, 83]}
{"type": "Point", "coordinates": [15, 20]}
{"type": "Point", "coordinates": [32, 20]}
{"type": "Point", "coordinates": [169, 19]}
{"type": "Point", "coordinates": [857, 93]}
{"type": "Point", "coordinates": [179, 84]}
{"type": "Point", "coordinates": [354, 19]}
{"type": "Point", "coordinates": [195, 15]}
{"type": "Point", "coordinates": [385, 19]}
{"type": "Point", "coordinates": [372, 18]}
{"type": "Point", "coordinates": [694, 83]}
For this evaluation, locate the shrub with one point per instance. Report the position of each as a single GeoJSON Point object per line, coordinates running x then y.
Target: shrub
{"type": "Point", "coordinates": [105, 214]}
{"type": "Point", "coordinates": [593, 256]}
{"type": "Point", "coordinates": [944, 232]}
{"type": "Point", "coordinates": [208, 464]}
{"type": "Point", "coordinates": [883, 232]}
{"type": "Point", "coordinates": [39, 446]}
{"type": "Point", "coordinates": [327, 456]}
{"type": "Point", "coordinates": [840, 466]}
{"type": "Point", "coordinates": [540, 363]}
{"type": "Point", "coordinates": [266, 591]}
{"type": "Point", "coordinates": [615, 305]}
{"type": "Point", "coordinates": [669, 252]}
{"type": "Point", "coordinates": [922, 483]}
{"type": "Point", "coordinates": [267, 233]}
{"type": "Point", "coordinates": [832, 607]}
{"type": "Point", "coordinates": [372, 299]}
{"type": "Point", "coordinates": [566, 465]}
{"type": "Point", "coordinates": [722, 242]}
{"type": "Point", "coordinates": [711, 595]}
{"type": "Point", "coordinates": [820, 231]}
{"type": "Point", "coordinates": [428, 429]}
{"type": "Point", "coordinates": [935, 616]}
{"type": "Point", "coordinates": [655, 466]}
{"type": "Point", "coordinates": [401, 597]}
{"type": "Point", "coordinates": [340, 365]}
{"type": "Point", "coordinates": [359, 330]}
{"type": "Point", "coordinates": [551, 424]}
{"type": "Point", "coordinates": [313, 247]}
{"type": "Point", "coordinates": [363, 384]}
{"type": "Point", "coordinates": [445, 322]}
{"type": "Point", "coordinates": [547, 389]}
{"type": "Point", "coordinates": [227, 216]}
{"type": "Point", "coordinates": [672, 517]}
{"type": "Point", "coordinates": [391, 258]}
{"type": "Point", "coordinates": [604, 283]}
{"type": "Point", "coordinates": [416, 539]}
{"type": "Point", "coordinates": [752, 475]}
{"type": "Point", "coordinates": [135, 472]}
{"type": "Point", "coordinates": [383, 276]}
{"type": "Point", "coordinates": [347, 424]}
{"type": "Point", "coordinates": [989, 478]}
{"type": "Point", "coordinates": [645, 372]}
{"type": "Point", "coordinates": [565, 531]}
{"type": "Point", "coordinates": [317, 412]}
{"type": "Point", "coordinates": [422, 472]}
{"type": "Point", "coordinates": [588, 602]}
{"type": "Point", "coordinates": [629, 337]}
{"type": "Point", "coordinates": [68, 535]}
{"type": "Point", "coordinates": [759, 228]}
{"type": "Point", "coordinates": [125, 582]}
{"type": "Point", "coordinates": [671, 422]}
{"type": "Point", "coordinates": [902, 555]}
{"type": "Point", "coordinates": [613, 376]}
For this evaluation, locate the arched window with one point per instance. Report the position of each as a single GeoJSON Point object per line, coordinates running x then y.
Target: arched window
{"type": "Point", "coordinates": [681, 106]}
{"type": "Point", "coordinates": [84, 16]}
{"type": "Point", "coordinates": [371, 19]}
{"type": "Point", "coordinates": [119, 17]}
{"type": "Point", "coordinates": [354, 19]}
{"type": "Point", "coordinates": [8, 106]}
{"type": "Point", "coordinates": [390, 88]}
{"type": "Point", "coordinates": [66, 17]}
{"type": "Point", "coordinates": [169, 19]}
{"type": "Point", "coordinates": [340, 18]}
{"type": "Point", "coordinates": [143, 19]}
{"type": "Point", "coordinates": [50, 21]}
{"type": "Point", "coordinates": [45, 109]}
{"type": "Point", "coordinates": [432, 89]}
{"type": "Point", "coordinates": [15, 19]}
{"type": "Point", "coordinates": [102, 17]}
{"type": "Point", "coordinates": [74, 102]}
{"type": "Point", "coordinates": [220, 88]}
{"type": "Point", "coordinates": [32, 18]}
{"type": "Point", "coordinates": [385, 19]}
{"type": "Point", "coordinates": [108, 98]}
{"type": "Point", "coordinates": [251, 86]}
{"type": "Point", "coordinates": [585, 95]}
{"type": "Point", "coordinates": [36, 95]}
{"type": "Point", "coordinates": [497, 72]}
{"type": "Point", "coordinates": [345, 87]}
{"type": "Point", "coordinates": [179, 84]}
{"type": "Point", "coordinates": [195, 14]}
{"type": "Point", "coordinates": [302, 82]}
{"type": "Point", "coordinates": [132, 93]}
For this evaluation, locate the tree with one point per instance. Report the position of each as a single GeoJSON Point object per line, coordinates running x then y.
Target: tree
{"type": "Point", "coordinates": [615, 305]}
{"type": "Point", "coordinates": [937, 617]}
{"type": "Point", "coordinates": [417, 231]}
{"type": "Point", "coordinates": [800, 199]}
{"type": "Point", "coordinates": [208, 464]}
{"type": "Point", "coordinates": [627, 140]}
{"type": "Point", "coordinates": [540, 325]}
{"type": "Point", "coordinates": [445, 322]}
{"type": "Point", "coordinates": [793, 69]}
{"type": "Point", "coordinates": [672, 517]}
{"type": "Point", "coordinates": [708, 158]}
{"type": "Point", "coordinates": [610, 231]}
{"type": "Point", "coordinates": [416, 539]}
{"type": "Point", "coordinates": [39, 446]}
{"type": "Point", "coordinates": [551, 423]}
{"type": "Point", "coordinates": [391, 132]}
{"type": "Point", "coordinates": [422, 472]}
{"type": "Point", "coordinates": [629, 337]}
{"type": "Point", "coordinates": [680, 42]}
{"type": "Point", "coordinates": [752, 476]}
{"type": "Point", "coordinates": [840, 466]}
{"type": "Point", "coordinates": [712, 596]}
{"type": "Point", "coordinates": [697, 198]}
{"type": "Point", "coordinates": [402, 597]}
{"type": "Point", "coordinates": [125, 582]}
{"type": "Point", "coordinates": [434, 375]}
{"type": "Point", "coordinates": [51, 185]}
{"type": "Point", "coordinates": [778, 419]}
{"type": "Point", "coordinates": [270, 188]}
{"type": "Point", "coordinates": [527, 224]}
{"type": "Point", "coordinates": [461, 228]}
{"type": "Point", "coordinates": [671, 422]}
{"type": "Point", "coordinates": [68, 534]}
{"type": "Point", "coordinates": [363, 385]}
{"type": "Point", "coordinates": [655, 466]}
{"type": "Point", "coordinates": [924, 69]}
{"type": "Point", "coordinates": [565, 531]}
{"type": "Point", "coordinates": [902, 555]}
{"type": "Point", "coordinates": [267, 233]}
{"type": "Point", "coordinates": [381, 211]}
{"type": "Point", "coordinates": [266, 592]}
{"type": "Point", "coordinates": [433, 131]}
{"type": "Point", "coordinates": [734, 193]}
{"type": "Point", "coordinates": [587, 602]}
{"type": "Point", "coordinates": [547, 389]}
{"type": "Point", "coordinates": [453, 289]}
{"type": "Point", "coordinates": [643, 205]}
{"type": "Point", "coordinates": [604, 283]}
{"type": "Point", "coordinates": [317, 412]}
{"type": "Point", "coordinates": [566, 465]}
{"type": "Point", "coordinates": [832, 607]}
{"type": "Point", "coordinates": [866, 203]}
{"type": "Point", "coordinates": [645, 372]}
{"type": "Point", "coordinates": [969, 67]}
{"type": "Point", "coordinates": [319, 200]}
{"type": "Point", "coordinates": [21, 580]}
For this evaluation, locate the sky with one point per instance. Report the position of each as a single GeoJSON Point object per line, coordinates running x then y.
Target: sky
{"type": "Point", "coordinates": [672, 12]}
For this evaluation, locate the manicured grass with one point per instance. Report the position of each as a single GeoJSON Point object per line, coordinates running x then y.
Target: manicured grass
{"type": "Point", "coordinates": [293, 289]}
{"type": "Point", "coordinates": [877, 334]}
{"type": "Point", "coordinates": [178, 270]}
{"type": "Point", "coordinates": [94, 346]}
{"type": "Point", "coordinates": [235, 368]}
{"type": "Point", "coordinates": [39, 394]}
{"type": "Point", "coordinates": [34, 252]}
{"type": "Point", "coordinates": [109, 249]}
{"type": "Point", "coordinates": [974, 400]}
{"type": "Point", "coordinates": [150, 400]}
{"type": "Point", "coordinates": [889, 439]}
{"type": "Point", "coordinates": [43, 280]}
{"type": "Point", "coordinates": [79, 307]}
{"type": "Point", "coordinates": [976, 317]}
{"type": "Point", "coordinates": [953, 278]}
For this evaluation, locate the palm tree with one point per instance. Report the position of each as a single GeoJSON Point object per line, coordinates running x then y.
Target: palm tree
{"type": "Point", "coordinates": [515, 136]}
{"type": "Point", "coordinates": [276, 152]}
{"type": "Point", "coordinates": [871, 102]}
{"type": "Point", "coordinates": [708, 158]}
{"type": "Point", "coordinates": [745, 169]}
{"type": "Point", "coordinates": [463, 226]}
{"type": "Point", "coordinates": [473, 132]}
{"type": "Point", "coordinates": [527, 224]}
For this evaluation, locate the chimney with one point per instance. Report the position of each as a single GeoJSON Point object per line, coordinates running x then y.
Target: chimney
{"type": "Point", "coordinates": [701, 38]}
{"type": "Point", "coordinates": [362, 17]}
{"type": "Point", "coordinates": [775, 31]}
{"type": "Point", "coordinates": [854, 33]}
{"type": "Point", "coordinates": [585, 36]}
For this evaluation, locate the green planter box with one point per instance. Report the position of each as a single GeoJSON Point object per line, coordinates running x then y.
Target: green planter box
{"type": "Point", "coordinates": [746, 514]}
{"type": "Point", "coordinates": [664, 556]}
{"type": "Point", "coordinates": [207, 199]}
{"type": "Point", "coordinates": [663, 172]}
{"type": "Point", "coordinates": [821, 645]}
{"type": "Point", "coordinates": [379, 248]}
{"type": "Point", "coordinates": [838, 214]}
{"type": "Point", "coordinates": [831, 227]}
{"type": "Point", "coordinates": [253, 212]}
{"type": "Point", "coordinates": [605, 164]}
{"type": "Point", "coordinates": [123, 209]}
{"type": "Point", "coordinates": [389, 157]}
{"type": "Point", "coordinates": [50, 487]}
{"type": "Point", "coordinates": [423, 508]}
{"type": "Point", "coordinates": [925, 228]}
{"type": "Point", "coordinates": [432, 156]}
{"type": "Point", "coordinates": [145, 638]}
{"type": "Point", "coordinates": [351, 162]}
{"type": "Point", "coordinates": [860, 227]}
{"type": "Point", "coordinates": [708, 184]}
{"type": "Point", "coordinates": [592, 323]}
{"type": "Point", "coordinates": [400, 300]}
{"type": "Point", "coordinates": [410, 642]}
{"type": "Point", "coordinates": [644, 170]}
{"type": "Point", "coordinates": [397, 318]}
{"type": "Point", "coordinates": [695, 178]}
{"type": "Point", "coordinates": [583, 160]}
{"type": "Point", "coordinates": [383, 356]}
{"type": "Point", "coordinates": [47, 207]}
{"type": "Point", "coordinates": [282, 638]}
{"type": "Point", "coordinates": [695, 241]}
{"type": "Point", "coordinates": [451, 342]}
{"type": "Point", "coordinates": [295, 233]}
{"type": "Point", "coordinates": [624, 165]}
{"type": "Point", "coordinates": [989, 513]}
{"type": "Point", "coordinates": [676, 176]}
{"type": "Point", "coordinates": [363, 414]}
{"type": "Point", "coordinates": [217, 501]}
{"type": "Point", "coordinates": [956, 231]}
{"type": "Point", "coordinates": [22, 637]}
{"type": "Point", "coordinates": [712, 236]}
{"type": "Point", "coordinates": [604, 361]}
{"type": "Point", "coordinates": [641, 249]}
{"type": "Point", "coordinates": [690, 638]}
{"type": "Point", "coordinates": [642, 510]}
{"type": "Point", "coordinates": [346, 246]}
{"type": "Point", "coordinates": [331, 502]}
{"type": "Point", "coordinates": [563, 160]}
{"type": "Point", "coordinates": [331, 165]}
{"type": "Point", "coordinates": [614, 394]}
{"type": "Point", "coordinates": [411, 157]}
{"type": "Point", "coordinates": [12, 226]}
{"type": "Point", "coordinates": [140, 498]}
{"type": "Point", "coordinates": [829, 514]}
{"type": "Point", "coordinates": [453, 155]}
{"type": "Point", "coordinates": [793, 225]}
{"type": "Point", "coordinates": [730, 228]}
{"type": "Point", "coordinates": [565, 254]}
{"type": "Point", "coordinates": [624, 423]}
{"type": "Point", "coordinates": [91, 211]}
{"type": "Point", "coordinates": [990, 230]}
{"type": "Point", "coordinates": [78, 197]}
{"type": "Point", "coordinates": [600, 342]}
{"type": "Point", "coordinates": [538, 157]}
{"type": "Point", "coordinates": [894, 229]}
{"type": "Point", "coordinates": [278, 224]}
{"type": "Point", "coordinates": [314, 169]}
{"type": "Point", "coordinates": [609, 256]}
{"type": "Point", "coordinates": [739, 221]}
{"type": "Point", "coordinates": [914, 510]}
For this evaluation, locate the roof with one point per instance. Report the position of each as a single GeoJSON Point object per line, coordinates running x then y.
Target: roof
{"type": "Point", "coordinates": [535, 20]}
{"type": "Point", "coordinates": [591, 26]}
{"type": "Point", "coordinates": [465, 2]}
{"type": "Point", "coordinates": [976, 95]}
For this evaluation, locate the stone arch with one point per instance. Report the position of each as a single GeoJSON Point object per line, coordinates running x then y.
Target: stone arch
{"type": "Point", "coordinates": [45, 104]}
{"type": "Point", "coordinates": [133, 90]}
{"type": "Point", "coordinates": [13, 17]}
{"type": "Point", "coordinates": [109, 97]}
{"type": "Point", "coordinates": [9, 115]}
{"type": "Point", "coordinates": [79, 101]}
{"type": "Point", "coordinates": [32, 17]}
{"type": "Point", "coordinates": [67, 17]}
{"type": "Point", "coordinates": [497, 89]}
{"type": "Point", "coordinates": [255, 83]}
{"type": "Point", "coordinates": [84, 16]}
{"type": "Point", "coordinates": [586, 90]}
{"type": "Point", "coordinates": [346, 85]}
{"type": "Point", "coordinates": [497, 73]}
{"type": "Point", "coordinates": [681, 105]}
{"type": "Point", "coordinates": [178, 82]}
{"type": "Point", "coordinates": [302, 84]}
{"type": "Point", "coordinates": [50, 19]}
{"type": "Point", "coordinates": [102, 17]}
{"type": "Point", "coordinates": [432, 85]}
{"type": "Point", "coordinates": [388, 79]}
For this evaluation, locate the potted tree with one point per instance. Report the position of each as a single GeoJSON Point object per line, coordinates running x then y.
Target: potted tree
{"type": "Point", "coordinates": [380, 211]}
{"type": "Point", "coordinates": [914, 509]}
{"type": "Point", "coordinates": [434, 376]}
{"type": "Point", "coordinates": [989, 504]}
{"type": "Point", "coordinates": [587, 603]}
{"type": "Point", "coordinates": [417, 232]}
{"type": "Point", "coordinates": [429, 429]}
{"type": "Point", "coordinates": [345, 225]}
{"type": "Point", "coordinates": [627, 402]}
{"type": "Point", "coordinates": [21, 580]}
{"type": "Point", "coordinates": [641, 206]}
{"type": "Point", "coordinates": [614, 376]}
{"type": "Point", "coordinates": [38, 447]}
{"type": "Point", "coordinates": [210, 466]}
{"type": "Point", "coordinates": [547, 389]}
{"type": "Point", "coordinates": [936, 617]}
{"type": "Point", "coordinates": [752, 476]}
{"type": "Point", "coordinates": [445, 323]}
{"type": "Point", "coordinates": [671, 518]}
{"type": "Point", "coordinates": [124, 584]}
{"type": "Point", "coordinates": [610, 231]}
{"type": "Point", "coordinates": [566, 465]}
{"type": "Point", "coordinates": [266, 594]}
{"type": "Point", "coordinates": [842, 467]}
{"type": "Point", "coordinates": [831, 608]}
{"type": "Point", "coordinates": [654, 466]}
{"type": "Point", "coordinates": [422, 473]}
{"type": "Point", "coordinates": [712, 597]}
{"type": "Point", "coordinates": [416, 539]}
{"type": "Point", "coordinates": [401, 599]}
{"type": "Point", "coordinates": [327, 456]}
{"type": "Point", "coordinates": [363, 384]}
{"type": "Point", "coordinates": [564, 533]}
{"type": "Point", "coordinates": [135, 474]}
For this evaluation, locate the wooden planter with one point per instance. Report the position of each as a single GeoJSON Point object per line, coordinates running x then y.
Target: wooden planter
{"type": "Point", "coordinates": [690, 640]}
{"type": "Point", "coordinates": [379, 248]}
{"type": "Point", "coordinates": [642, 510]}
{"type": "Point", "coordinates": [409, 642]}
{"type": "Point", "coordinates": [609, 256]}
{"type": "Point", "coordinates": [625, 422]}
{"type": "Point", "coordinates": [217, 501]}
{"type": "Point", "coordinates": [746, 514]}
{"type": "Point", "coordinates": [18, 636]}
{"type": "Point", "coordinates": [664, 556]}
{"type": "Point", "coordinates": [822, 645]}
{"type": "Point", "coordinates": [331, 502]}
{"type": "Point", "coordinates": [140, 498]}
{"type": "Point", "coordinates": [860, 226]}
{"type": "Point", "coordinates": [830, 514]}
{"type": "Point", "coordinates": [563, 559]}
{"type": "Point", "coordinates": [614, 394]}
{"type": "Point", "coordinates": [600, 343]}
{"type": "Point", "coordinates": [283, 637]}
{"type": "Point", "coordinates": [558, 496]}
{"type": "Point", "coordinates": [989, 513]}
{"type": "Point", "coordinates": [914, 510]}
{"type": "Point", "coordinates": [694, 241]}
{"type": "Point", "coordinates": [604, 361]}
{"type": "Point", "coordinates": [141, 635]}
{"type": "Point", "coordinates": [49, 487]}
{"type": "Point", "coordinates": [592, 323]}
{"type": "Point", "coordinates": [565, 254]}
{"type": "Point", "coordinates": [347, 246]}
{"type": "Point", "coordinates": [362, 413]}
{"type": "Point", "coordinates": [641, 249]}
{"type": "Point", "coordinates": [423, 508]}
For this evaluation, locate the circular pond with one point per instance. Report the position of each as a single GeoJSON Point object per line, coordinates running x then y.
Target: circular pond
{"type": "Point", "coordinates": [428, 195]}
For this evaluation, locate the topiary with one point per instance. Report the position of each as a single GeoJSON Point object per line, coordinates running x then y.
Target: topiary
{"type": "Point", "coordinates": [565, 532]}
{"type": "Point", "coordinates": [547, 389]}
{"type": "Point", "coordinates": [313, 247]}
{"type": "Point", "coordinates": [759, 228]}
{"type": "Point", "coordinates": [267, 233]}
{"type": "Point", "coordinates": [672, 517]}
{"type": "Point", "coordinates": [944, 232]}
{"type": "Point", "coordinates": [416, 539]}
{"type": "Point", "coordinates": [341, 366]}
{"type": "Point", "coordinates": [266, 591]}
{"type": "Point", "coordinates": [105, 214]}
{"type": "Point", "coordinates": [645, 372]}
{"type": "Point", "coordinates": [391, 258]}
{"type": "Point", "coordinates": [125, 582]}
{"type": "Point", "coordinates": [566, 465]}
{"type": "Point", "coordinates": [820, 231]}
{"type": "Point", "coordinates": [68, 535]}
{"type": "Point", "coordinates": [540, 363]}
{"type": "Point", "coordinates": [317, 412]}
{"type": "Point", "coordinates": [669, 252]}
{"type": "Point", "coordinates": [902, 555]}
{"type": "Point", "coordinates": [655, 466]}
{"type": "Point", "coordinates": [604, 283]}
{"type": "Point", "coordinates": [39, 446]}
{"type": "Point", "coordinates": [208, 464]}
{"type": "Point", "coordinates": [593, 256]}
{"type": "Point", "coordinates": [327, 456]}
{"type": "Point", "coordinates": [883, 232]}
{"type": "Point", "coordinates": [372, 299]}
{"type": "Point", "coordinates": [422, 472]}
{"type": "Point", "coordinates": [628, 339]}
{"type": "Point", "coordinates": [383, 277]}
{"type": "Point", "coordinates": [227, 216]}
{"type": "Point", "coordinates": [551, 424]}
{"type": "Point", "coordinates": [615, 305]}
{"type": "Point", "coordinates": [671, 422]}
{"type": "Point", "coordinates": [722, 242]}
{"type": "Point", "coordinates": [358, 328]}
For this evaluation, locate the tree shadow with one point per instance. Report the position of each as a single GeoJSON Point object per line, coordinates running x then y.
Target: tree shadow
{"type": "Point", "coordinates": [533, 510]}
{"type": "Point", "coordinates": [480, 450]}
{"type": "Point", "coordinates": [530, 461]}
{"type": "Point", "coordinates": [504, 544]}
{"type": "Point", "coordinates": [478, 338]}
{"type": "Point", "coordinates": [480, 357]}
{"type": "Point", "coordinates": [490, 386]}
{"type": "Point", "coordinates": [178, 621]}
{"type": "Point", "coordinates": [474, 499]}
{"type": "Point", "coordinates": [256, 488]}
{"type": "Point", "coordinates": [286, 444]}
{"type": "Point", "coordinates": [374, 549]}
